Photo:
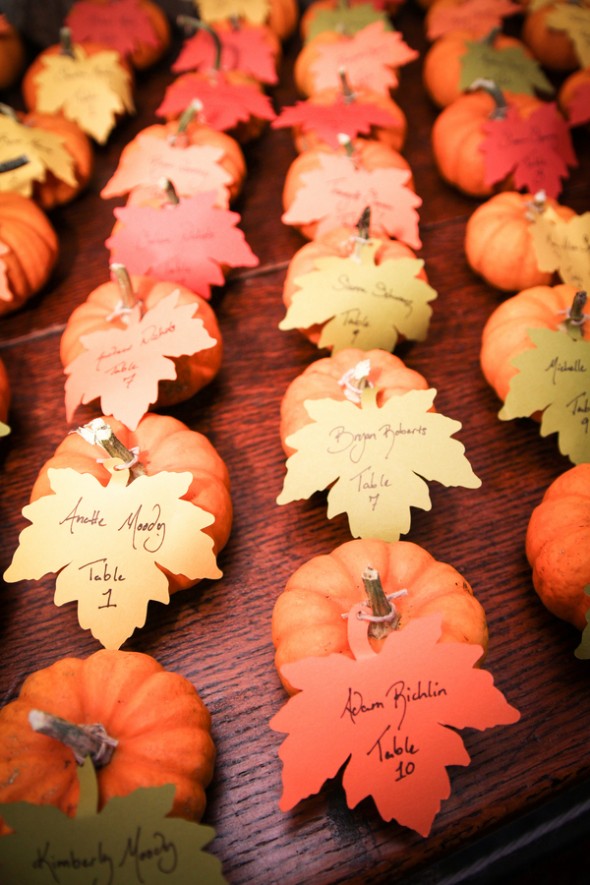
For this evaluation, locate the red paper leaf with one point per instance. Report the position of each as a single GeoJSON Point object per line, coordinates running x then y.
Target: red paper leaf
{"type": "Point", "coordinates": [242, 49]}
{"type": "Point", "coordinates": [385, 716]}
{"type": "Point", "coordinates": [536, 151]}
{"type": "Point", "coordinates": [120, 24]}
{"type": "Point", "coordinates": [478, 17]}
{"type": "Point", "coordinates": [579, 106]}
{"type": "Point", "coordinates": [185, 243]}
{"type": "Point", "coordinates": [329, 121]}
{"type": "Point", "coordinates": [224, 104]}
{"type": "Point", "coordinates": [338, 192]}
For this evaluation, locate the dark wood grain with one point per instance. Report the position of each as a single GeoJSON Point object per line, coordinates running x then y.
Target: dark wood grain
{"type": "Point", "coordinates": [218, 634]}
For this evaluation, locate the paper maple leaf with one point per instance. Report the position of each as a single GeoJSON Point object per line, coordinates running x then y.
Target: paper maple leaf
{"type": "Point", "coordinates": [536, 151]}
{"type": "Point", "coordinates": [123, 367]}
{"type": "Point", "coordinates": [91, 90]}
{"type": "Point", "coordinates": [338, 192]}
{"type": "Point", "coordinates": [362, 304]}
{"type": "Point", "coordinates": [242, 49]}
{"type": "Point", "coordinates": [390, 718]}
{"type": "Point", "coordinates": [185, 243]}
{"type": "Point", "coordinates": [224, 104]}
{"type": "Point", "coordinates": [511, 69]}
{"type": "Point", "coordinates": [255, 11]}
{"type": "Point", "coordinates": [346, 19]}
{"type": "Point", "coordinates": [574, 19]}
{"type": "Point", "coordinates": [330, 121]}
{"type": "Point", "coordinates": [479, 17]}
{"type": "Point", "coordinates": [130, 839]}
{"type": "Point", "coordinates": [562, 246]}
{"type": "Point", "coordinates": [44, 151]}
{"type": "Point", "coordinates": [377, 459]}
{"type": "Point", "coordinates": [191, 169]}
{"type": "Point", "coordinates": [110, 543]}
{"type": "Point", "coordinates": [553, 377]}
{"type": "Point", "coordinates": [121, 24]}
{"type": "Point", "coordinates": [369, 58]}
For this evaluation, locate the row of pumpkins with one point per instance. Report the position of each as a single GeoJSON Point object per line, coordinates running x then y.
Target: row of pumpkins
{"type": "Point", "coordinates": [87, 687]}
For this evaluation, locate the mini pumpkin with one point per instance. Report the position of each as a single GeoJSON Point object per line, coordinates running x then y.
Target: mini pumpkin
{"type": "Point", "coordinates": [443, 62]}
{"type": "Point", "coordinates": [99, 313]}
{"type": "Point", "coordinates": [281, 16]}
{"type": "Point", "coordinates": [308, 620]}
{"type": "Point", "coordinates": [551, 46]}
{"type": "Point", "coordinates": [331, 377]}
{"type": "Point", "coordinates": [457, 138]}
{"type": "Point", "coordinates": [558, 545]}
{"type": "Point", "coordinates": [505, 334]}
{"type": "Point", "coordinates": [12, 54]}
{"type": "Point", "coordinates": [340, 242]}
{"type": "Point", "coordinates": [574, 89]}
{"type": "Point", "coordinates": [164, 444]}
{"type": "Point", "coordinates": [156, 720]}
{"type": "Point", "coordinates": [498, 242]}
{"type": "Point", "coordinates": [28, 250]}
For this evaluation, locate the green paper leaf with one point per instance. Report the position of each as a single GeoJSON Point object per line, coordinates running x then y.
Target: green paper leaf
{"type": "Point", "coordinates": [510, 69]}
{"type": "Point", "coordinates": [554, 377]}
{"type": "Point", "coordinates": [362, 304]}
{"type": "Point", "coordinates": [346, 19]}
{"type": "Point", "coordinates": [583, 650]}
{"type": "Point", "coordinates": [129, 842]}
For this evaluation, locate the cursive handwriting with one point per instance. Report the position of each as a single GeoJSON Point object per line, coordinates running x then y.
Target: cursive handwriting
{"type": "Point", "coordinates": [75, 518]}
{"type": "Point", "coordinates": [150, 532]}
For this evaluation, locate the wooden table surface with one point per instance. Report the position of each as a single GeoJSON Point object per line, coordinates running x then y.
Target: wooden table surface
{"type": "Point", "coordinates": [218, 634]}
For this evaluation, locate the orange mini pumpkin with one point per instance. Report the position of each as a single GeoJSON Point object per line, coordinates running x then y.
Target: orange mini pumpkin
{"type": "Point", "coordinates": [160, 728]}
{"type": "Point", "coordinates": [551, 46]}
{"type": "Point", "coordinates": [281, 16]}
{"type": "Point", "coordinates": [558, 545]}
{"type": "Point", "coordinates": [28, 250]}
{"type": "Point", "coordinates": [457, 137]}
{"type": "Point", "coordinates": [328, 378]}
{"type": "Point", "coordinates": [498, 242]}
{"type": "Point", "coordinates": [164, 444]}
{"type": "Point", "coordinates": [12, 54]}
{"type": "Point", "coordinates": [505, 334]}
{"type": "Point", "coordinates": [308, 620]}
{"type": "Point", "coordinates": [99, 313]}
{"type": "Point", "coordinates": [576, 84]}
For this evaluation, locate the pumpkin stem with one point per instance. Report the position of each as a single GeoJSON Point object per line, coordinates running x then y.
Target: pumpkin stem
{"type": "Point", "coordinates": [347, 91]}
{"type": "Point", "coordinates": [536, 206]}
{"type": "Point", "coordinates": [363, 225]}
{"type": "Point", "coordinates": [7, 111]}
{"type": "Point", "coordinates": [187, 116]}
{"type": "Point", "coordinates": [98, 433]}
{"type": "Point", "coordinates": [170, 191]}
{"type": "Point", "coordinates": [492, 88]}
{"type": "Point", "coordinates": [384, 619]}
{"type": "Point", "coordinates": [356, 380]}
{"type": "Point", "coordinates": [346, 142]}
{"type": "Point", "coordinates": [83, 740]}
{"type": "Point", "coordinates": [65, 42]}
{"type": "Point", "coordinates": [120, 276]}
{"type": "Point", "coordinates": [191, 25]}
{"type": "Point", "coordinates": [14, 163]}
{"type": "Point", "coordinates": [490, 36]}
{"type": "Point", "coordinates": [575, 317]}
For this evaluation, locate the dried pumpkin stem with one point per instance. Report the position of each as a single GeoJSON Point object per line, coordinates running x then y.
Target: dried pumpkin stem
{"type": "Point", "coordinates": [83, 740]}
{"type": "Point", "coordinates": [489, 38]}
{"type": "Point", "coordinates": [501, 107]}
{"type": "Point", "coordinates": [99, 433]}
{"type": "Point", "coordinates": [380, 605]}
{"type": "Point", "coordinates": [14, 163]}
{"type": "Point", "coordinates": [121, 277]}
{"type": "Point", "coordinates": [65, 42]}
{"type": "Point", "coordinates": [575, 315]}
{"type": "Point", "coordinates": [7, 111]}
{"type": "Point", "coordinates": [191, 25]}
{"type": "Point", "coordinates": [347, 91]}
{"type": "Point", "coordinates": [187, 116]}
{"type": "Point", "coordinates": [536, 206]}
{"type": "Point", "coordinates": [170, 191]}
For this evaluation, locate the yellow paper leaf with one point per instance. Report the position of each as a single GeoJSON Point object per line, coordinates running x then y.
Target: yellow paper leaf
{"type": "Point", "coordinates": [564, 246]}
{"type": "Point", "coordinates": [362, 304]}
{"type": "Point", "coordinates": [110, 543]}
{"type": "Point", "coordinates": [574, 20]}
{"type": "Point", "coordinates": [254, 11]}
{"type": "Point", "coordinates": [91, 90]}
{"type": "Point", "coordinates": [44, 151]}
{"type": "Point", "coordinates": [375, 459]}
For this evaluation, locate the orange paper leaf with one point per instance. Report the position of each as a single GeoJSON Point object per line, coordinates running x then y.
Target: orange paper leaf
{"type": "Point", "coordinates": [124, 366]}
{"type": "Point", "coordinates": [386, 715]}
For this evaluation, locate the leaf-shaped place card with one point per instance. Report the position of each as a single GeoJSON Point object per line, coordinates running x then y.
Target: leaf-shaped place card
{"type": "Point", "coordinates": [574, 20]}
{"type": "Point", "coordinates": [4, 429]}
{"type": "Point", "coordinates": [370, 58]}
{"type": "Point", "coordinates": [223, 104]}
{"type": "Point", "coordinates": [477, 17]}
{"type": "Point", "coordinates": [130, 840]}
{"type": "Point", "coordinates": [362, 304]}
{"type": "Point", "coordinates": [110, 545]}
{"type": "Point", "coordinates": [391, 718]}
{"type": "Point", "coordinates": [330, 122]}
{"type": "Point", "coordinates": [554, 377]}
{"type": "Point", "coordinates": [338, 192]}
{"type": "Point", "coordinates": [376, 460]}
{"type": "Point", "coordinates": [92, 89]}
{"type": "Point", "coordinates": [254, 11]}
{"type": "Point", "coordinates": [123, 367]}
{"type": "Point", "coordinates": [346, 18]}
{"type": "Point", "coordinates": [510, 68]}
{"type": "Point", "coordinates": [44, 151]}
{"type": "Point", "coordinates": [187, 242]}
{"type": "Point", "coordinates": [119, 24]}
{"type": "Point", "coordinates": [246, 49]}
{"type": "Point", "coordinates": [564, 246]}
{"type": "Point", "coordinates": [536, 150]}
